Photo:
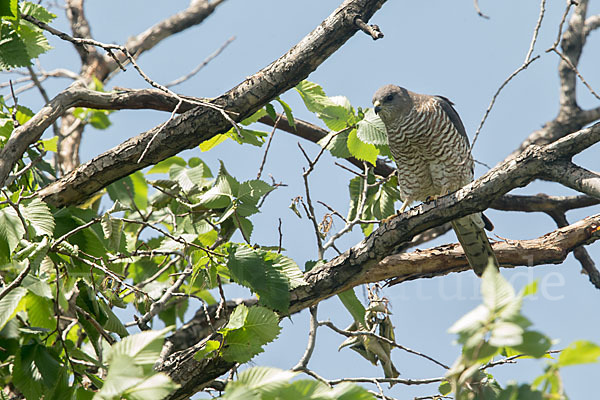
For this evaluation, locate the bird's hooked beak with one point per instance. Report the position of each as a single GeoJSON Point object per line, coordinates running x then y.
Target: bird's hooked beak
{"type": "Point", "coordinates": [377, 105]}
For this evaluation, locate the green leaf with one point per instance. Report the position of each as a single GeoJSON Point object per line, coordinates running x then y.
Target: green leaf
{"type": "Point", "coordinates": [336, 111]}
{"type": "Point", "coordinates": [113, 229]}
{"type": "Point", "coordinates": [11, 231]}
{"type": "Point", "coordinates": [382, 205]}
{"type": "Point", "coordinates": [271, 111]}
{"type": "Point", "coordinates": [288, 112]}
{"type": "Point", "coordinates": [254, 117]}
{"type": "Point", "coordinates": [535, 344]}
{"type": "Point", "coordinates": [579, 352]}
{"type": "Point", "coordinates": [209, 349]}
{"type": "Point", "coordinates": [38, 214]}
{"type": "Point", "coordinates": [156, 387]}
{"type": "Point", "coordinates": [496, 291]}
{"type": "Point", "coordinates": [353, 305]}
{"type": "Point", "coordinates": [26, 373]}
{"type": "Point", "coordinates": [223, 191]}
{"type": "Point", "coordinates": [256, 381]}
{"type": "Point", "coordinates": [131, 191]}
{"type": "Point", "coordinates": [40, 311]}
{"type": "Point", "coordinates": [37, 286]}
{"type": "Point", "coordinates": [213, 142]}
{"type": "Point", "coordinates": [445, 388]}
{"type": "Point", "coordinates": [472, 320]}
{"type": "Point", "coordinates": [143, 349]}
{"type": "Point", "coordinates": [336, 143]}
{"type": "Point", "coordinates": [361, 150]}
{"type": "Point", "coordinates": [37, 11]}
{"type": "Point", "coordinates": [113, 323]}
{"type": "Point", "coordinates": [530, 289]}
{"type": "Point", "coordinates": [50, 144]}
{"type": "Point", "coordinates": [99, 119]}
{"type": "Point", "coordinates": [288, 268]}
{"type": "Point", "coordinates": [8, 8]}
{"type": "Point", "coordinates": [34, 40]}
{"type": "Point", "coordinates": [11, 304]}
{"type": "Point", "coordinates": [250, 136]}
{"type": "Point", "coordinates": [24, 114]}
{"type": "Point", "coordinates": [244, 340]}
{"type": "Point", "coordinates": [13, 52]}
{"type": "Point", "coordinates": [521, 392]}
{"type": "Point", "coordinates": [371, 129]}
{"type": "Point", "coordinates": [189, 178]}
{"type": "Point", "coordinates": [267, 275]}
{"type": "Point", "coordinates": [506, 334]}
{"type": "Point", "coordinates": [164, 166]}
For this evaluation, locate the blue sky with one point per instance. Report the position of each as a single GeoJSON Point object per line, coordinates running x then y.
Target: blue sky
{"type": "Point", "coordinates": [431, 46]}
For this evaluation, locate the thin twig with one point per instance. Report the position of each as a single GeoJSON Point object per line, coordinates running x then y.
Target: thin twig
{"type": "Point", "coordinates": [96, 325]}
{"type": "Point", "coordinates": [478, 10]}
{"type": "Point", "coordinates": [388, 380]}
{"type": "Point", "coordinates": [223, 302]}
{"type": "Point", "coordinates": [16, 282]}
{"type": "Point", "coordinates": [510, 360]}
{"type": "Point", "coordinates": [346, 333]}
{"type": "Point", "coordinates": [312, 340]}
{"type": "Point", "coordinates": [280, 237]}
{"type": "Point", "coordinates": [201, 65]}
{"type": "Point", "coordinates": [160, 304]}
{"type": "Point", "coordinates": [109, 49]}
{"type": "Point", "coordinates": [371, 30]}
{"type": "Point", "coordinates": [13, 115]}
{"type": "Point", "coordinates": [57, 312]}
{"type": "Point", "coordinates": [526, 63]}
{"type": "Point", "coordinates": [264, 159]}
{"type": "Point", "coordinates": [574, 68]}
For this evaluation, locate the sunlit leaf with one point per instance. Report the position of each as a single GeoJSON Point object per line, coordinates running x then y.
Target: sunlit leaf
{"type": "Point", "coordinates": [579, 352]}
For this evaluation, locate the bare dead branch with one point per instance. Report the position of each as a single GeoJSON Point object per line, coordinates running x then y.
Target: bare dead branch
{"type": "Point", "coordinates": [392, 343]}
{"type": "Point", "coordinates": [203, 64]}
{"type": "Point", "coordinates": [526, 63]}
{"type": "Point", "coordinates": [312, 340]}
{"type": "Point", "coordinates": [591, 24]}
{"type": "Point", "coordinates": [195, 14]}
{"type": "Point", "coordinates": [478, 10]}
{"type": "Point", "coordinates": [371, 30]}
{"type": "Point", "coordinates": [570, 117]}
{"type": "Point", "coordinates": [198, 125]}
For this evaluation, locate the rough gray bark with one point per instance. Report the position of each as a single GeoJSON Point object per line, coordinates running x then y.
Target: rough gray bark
{"type": "Point", "coordinates": [195, 126]}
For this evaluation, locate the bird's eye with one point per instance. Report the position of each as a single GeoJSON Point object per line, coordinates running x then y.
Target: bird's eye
{"type": "Point", "coordinates": [389, 97]}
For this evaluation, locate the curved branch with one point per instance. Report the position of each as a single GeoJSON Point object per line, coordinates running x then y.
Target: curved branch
{"type": "Point", "coordinates": [570, 116]}
{"type": "Point", "coordinates": [551, 248]}
{"type": "Point", "coordinates": [197, 125]}
{"type": "Point", "coordinates": [355, 265]}
{"type": "Point", "coordinates": [575, 177]}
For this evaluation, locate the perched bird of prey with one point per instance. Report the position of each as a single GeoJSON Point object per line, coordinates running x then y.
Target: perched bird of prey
{"type": "Point", "coordinates": [431, 150]}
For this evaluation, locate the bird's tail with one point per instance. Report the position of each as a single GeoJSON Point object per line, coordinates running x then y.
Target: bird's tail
{"type": "Point", "coordinates": [474, 242]}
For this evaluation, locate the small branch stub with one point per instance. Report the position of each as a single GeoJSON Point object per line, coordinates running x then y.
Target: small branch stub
{"type": "Point", "coordinates": [371, 30]}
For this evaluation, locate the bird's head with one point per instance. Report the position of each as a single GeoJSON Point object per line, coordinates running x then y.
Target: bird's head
{"type": "Point", "coordinates": [391, 102]}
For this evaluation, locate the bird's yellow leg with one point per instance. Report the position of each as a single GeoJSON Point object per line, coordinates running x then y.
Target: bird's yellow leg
{"type": "Point", "coordinates": [404, 205]}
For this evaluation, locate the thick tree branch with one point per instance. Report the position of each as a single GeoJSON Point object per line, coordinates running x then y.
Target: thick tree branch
{"type": "Point", "coordinates": [551, 248]}
{"type": "Point", "coordinates": [195, 126]}
{"type": "Point", "coordinates": [347, 270]}
{"type": "Point", "coordinates": [575, 177]}
{"type": "Point", "coordinates": [580, 252]}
